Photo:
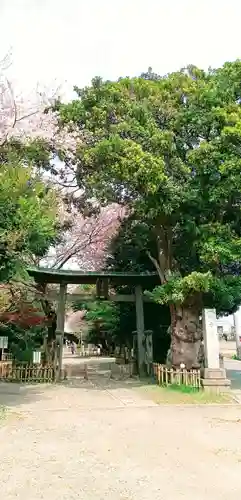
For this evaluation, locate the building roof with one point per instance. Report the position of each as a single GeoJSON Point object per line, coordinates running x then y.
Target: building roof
{"type": "Point", "coordinates": [47, 275]}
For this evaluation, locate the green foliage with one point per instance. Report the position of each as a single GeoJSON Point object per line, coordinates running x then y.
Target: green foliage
{"type": "Point", "coordinates": [27, 218]}
{"type": "Point", "coordinates": [224, 294]}
{"type": "Point", "coordinates": [102, 316]}
{"type": "Point", "coordinates": [35, 152]}
{"type": "Point", "coordinates": [22, 341]}
{"type": "Point", "coordinates": [178, 289]}
{"type": "Point", "coordinates": [103, 312]}
{"type": "Point", "coordinates": [170, 148]}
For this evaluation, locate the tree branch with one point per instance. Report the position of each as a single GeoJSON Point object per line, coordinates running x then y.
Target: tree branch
{"type": "Point", "coordinates": [155, 262]}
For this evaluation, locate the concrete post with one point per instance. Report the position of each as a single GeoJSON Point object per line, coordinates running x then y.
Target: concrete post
{"type": "Point", "coordinates": [60, 323]}
{"type": "Point", "coordinates": [214, 377]}
{"type": "Point", "coordinates": [140, 327]}
{"type": "Point", "coordinates": [210, 337]}
{"type": "Point", "coordinates": [237, 326]}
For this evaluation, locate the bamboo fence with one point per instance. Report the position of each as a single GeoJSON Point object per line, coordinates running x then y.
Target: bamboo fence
{"type": "Point", "coordinates": [170, 376]}
{"type": "Point", "coordinates": [26, 373]}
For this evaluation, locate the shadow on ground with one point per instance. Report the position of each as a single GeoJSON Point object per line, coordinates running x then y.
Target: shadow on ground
{"type": "Point", "coordinates": [20, 395]}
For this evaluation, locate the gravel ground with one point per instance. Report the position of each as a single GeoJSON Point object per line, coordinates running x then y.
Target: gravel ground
{"type": "Point", "coordinates": [100, 440]}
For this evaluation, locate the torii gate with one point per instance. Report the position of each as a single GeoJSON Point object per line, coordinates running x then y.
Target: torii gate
{"type": "Point", "coordinates": [103, 282]}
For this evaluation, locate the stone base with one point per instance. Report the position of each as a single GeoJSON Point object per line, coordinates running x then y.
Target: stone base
{"type": "Point", "coordinates": [215, 380]}
{"type": "Point", "coordinates": [122, 371]}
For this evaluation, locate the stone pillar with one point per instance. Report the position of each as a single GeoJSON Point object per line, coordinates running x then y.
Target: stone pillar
{"type": "Point", "coordinates": [140, 330]}
{"type": "Point", "coordinates": [237, 326]}
{"type": "Point", "coordinates": [60, 324]}
{"type": "Point", "coordinates": [214, 377]}
{"type": "Point", "coordinates": [149, 351]}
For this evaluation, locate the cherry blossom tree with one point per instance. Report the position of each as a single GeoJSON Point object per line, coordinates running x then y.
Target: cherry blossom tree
{"type": "Point", "coordinates": [87, 228]}
{"type": "Point", "coordinates": [23, 116]}
{"type": "Point", "coordinates": [86, 241]}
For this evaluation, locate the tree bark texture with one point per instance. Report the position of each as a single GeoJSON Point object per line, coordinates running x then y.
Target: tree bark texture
{"type": "Point", "coordinates": [186, 335]}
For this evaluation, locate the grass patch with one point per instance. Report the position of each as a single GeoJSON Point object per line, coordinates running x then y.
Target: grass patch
{"type": "Point", "coordinates": [176, 394]}
{"type": "Point", "coordinates": [235, 357]}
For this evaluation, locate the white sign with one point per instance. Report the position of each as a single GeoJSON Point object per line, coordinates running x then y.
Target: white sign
{"type": "Point", "coordinates": [3, 342]}
{"type": "Point", "coordinates": [37, 357]}
{"type": "Point", "coordinates": [210, 337]}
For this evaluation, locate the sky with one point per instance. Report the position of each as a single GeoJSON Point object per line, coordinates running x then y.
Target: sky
{"type": "Point", "coordinates": [68, 42]}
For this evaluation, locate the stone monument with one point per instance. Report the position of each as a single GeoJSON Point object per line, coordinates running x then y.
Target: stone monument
{"type": "Point", "coordinates": [214, 377]}
{"type": "Point", "coordinates": [237, 329]}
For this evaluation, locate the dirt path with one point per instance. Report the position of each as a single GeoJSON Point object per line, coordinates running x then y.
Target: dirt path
{"type": "Point", "coordinates": [103, 441]}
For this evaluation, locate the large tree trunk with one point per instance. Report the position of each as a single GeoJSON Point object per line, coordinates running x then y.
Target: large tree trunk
{"type": "Point", "coordinates": [185, 330]}
{"type": "Point", "coordinates": [186, 335]}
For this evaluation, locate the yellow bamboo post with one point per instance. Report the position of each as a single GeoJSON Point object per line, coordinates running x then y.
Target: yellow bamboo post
{"type": "Point", "coordinates": [166, 376]}
{"type": "Point", "coordinates": [190, 377]}
{"type": "Point", "coordinates": [159, 374]}
{"type": "Point", "coordinates": [178, 377]}
{"type": "Point", "coordinates": [162, 375]}
{"type": "Point", "coordinates": [193, 378]}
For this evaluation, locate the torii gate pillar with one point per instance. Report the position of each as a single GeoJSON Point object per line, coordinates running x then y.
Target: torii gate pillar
{"type": "Point", "coordinates": [60, 324]}
{"type": "Point", "coordinates": [140, 327]}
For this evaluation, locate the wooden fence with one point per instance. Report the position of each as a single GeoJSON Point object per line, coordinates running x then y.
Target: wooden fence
{"type": "Point", "coordinates": [170, 376]}
{"type": "Point", "coordinates": [26, 373]}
